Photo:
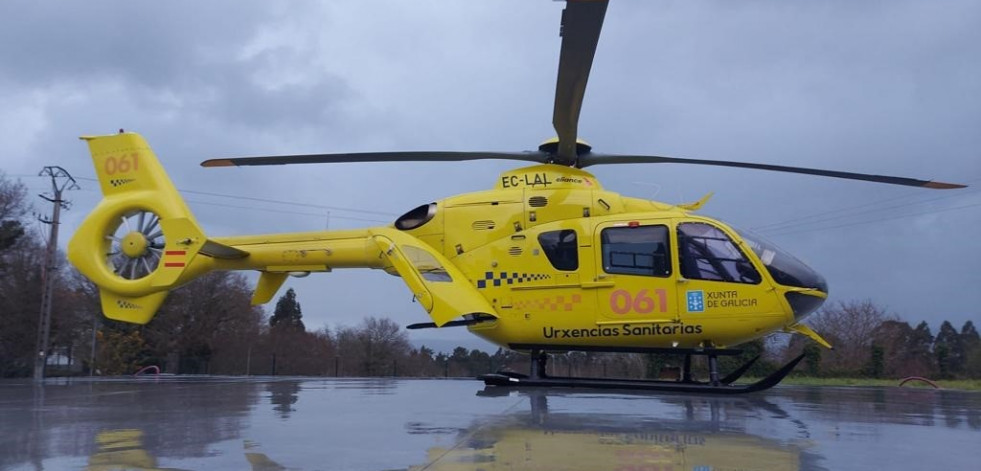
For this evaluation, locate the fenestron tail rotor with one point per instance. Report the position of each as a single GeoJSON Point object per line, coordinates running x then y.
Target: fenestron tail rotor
{"type": "Point", "coordinates": [136, 245]}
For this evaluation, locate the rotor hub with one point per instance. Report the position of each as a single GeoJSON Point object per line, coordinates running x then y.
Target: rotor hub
{"type": "Point", "coordinates": [134, 244]}
{"type": "Point", "coordinates": [551, 146]}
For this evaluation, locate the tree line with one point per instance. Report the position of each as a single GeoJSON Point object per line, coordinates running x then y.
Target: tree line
{"type": "Point", "coordinates": [869, 342]}
{"type": "Point", "coordinates": [209, 327]}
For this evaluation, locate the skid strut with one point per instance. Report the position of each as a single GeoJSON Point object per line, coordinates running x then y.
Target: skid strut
{"type": "Point", "coordinates": [537, 376]}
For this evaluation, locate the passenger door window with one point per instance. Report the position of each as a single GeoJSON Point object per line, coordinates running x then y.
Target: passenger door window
{"type": "Point", "coordinates": [641, 250]}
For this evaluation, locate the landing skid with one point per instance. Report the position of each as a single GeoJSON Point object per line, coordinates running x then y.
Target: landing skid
{"type": "Point", "coordinates": [538, 378]}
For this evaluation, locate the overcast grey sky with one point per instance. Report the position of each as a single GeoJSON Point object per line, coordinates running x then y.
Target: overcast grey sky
{"type": "Point", "coordinates": [888, 87]}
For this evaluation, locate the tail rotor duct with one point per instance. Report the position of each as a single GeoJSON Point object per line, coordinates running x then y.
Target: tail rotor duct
{"type": "Point", "coordinates": [135, 245]}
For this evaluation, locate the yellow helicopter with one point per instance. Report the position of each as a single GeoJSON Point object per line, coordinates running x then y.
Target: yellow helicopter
{"type": "Point", "coordinates": [548, 260]}
{"type": "Point", "coordinates": [712, 435]}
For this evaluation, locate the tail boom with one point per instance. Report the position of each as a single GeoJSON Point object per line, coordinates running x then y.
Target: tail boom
{"type": "Point", "coordinates": [141, 241]}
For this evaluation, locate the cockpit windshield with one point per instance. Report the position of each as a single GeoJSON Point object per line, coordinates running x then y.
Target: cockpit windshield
{"type": "Point", "coordinates": [707, 253]}
{"type": "Point", "coordinates": [783, 267]}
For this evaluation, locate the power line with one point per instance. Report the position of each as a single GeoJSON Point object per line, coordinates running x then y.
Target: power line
{"type": "Point", "coordinates": [279, 211]}
{"type": "Point", "coordinates": [765, 227]}
{"type": "Point", "coordinates": [293, 203]}
{"type": "Point", "coordinates": [850, 211]}
{"type": "Point", "coordinates": [848, 214]}
{"type": "Point", "coordinates": [901, 216]}
{"type": "Point", "coordinates": [271, 210]}
{"type": "Point", "coordinates": [267, 200]}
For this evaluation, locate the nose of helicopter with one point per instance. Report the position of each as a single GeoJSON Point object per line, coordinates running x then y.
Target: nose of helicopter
{"type": "Point", "coordinates": [792, 272]}
{"type": "Point", "coordinates": [804, 303]}
{"type": "Point", "coordinates": [789, 271]}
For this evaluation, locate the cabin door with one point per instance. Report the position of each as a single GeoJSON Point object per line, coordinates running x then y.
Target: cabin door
{"type": "Point", "coordinates": [635, 281]}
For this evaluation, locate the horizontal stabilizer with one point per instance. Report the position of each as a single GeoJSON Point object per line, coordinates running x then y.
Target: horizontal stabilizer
{"type": "Point", "coordinates": [216, 250]}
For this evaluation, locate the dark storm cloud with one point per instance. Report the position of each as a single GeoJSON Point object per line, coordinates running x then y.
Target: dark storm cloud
{"type": "Point", "coordinates": [191, 51]}
{"type": "Point", "coordinates": [149, 43]}
{"type": "Point", "coordinates": [846, 74]}
{"type": "Point", "coordinates": [230, 94]}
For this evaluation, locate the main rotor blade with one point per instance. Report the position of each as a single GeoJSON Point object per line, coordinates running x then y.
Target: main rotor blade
{"type": "Point", "coordinates": [602, 159]}
{"type": "Point", "coordinates": [582, 21]}
{"type": "Point", "coordinates": [415, 156]}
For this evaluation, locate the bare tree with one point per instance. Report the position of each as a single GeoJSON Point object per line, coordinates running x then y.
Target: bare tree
{"type": "Point", "coordinates": [373, 348]}
{"type": "Point", "coordinates": [850, 327]}
{"type": "Point", "coordinates": [20, 301]}
{"type": "Point", "coordinates": [208, 315]}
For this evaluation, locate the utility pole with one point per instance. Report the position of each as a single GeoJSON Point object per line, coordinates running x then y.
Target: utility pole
{"type": "Point", "coordinates": [95, 330]}
{"type": "Point", "coordinates": [61, 180]}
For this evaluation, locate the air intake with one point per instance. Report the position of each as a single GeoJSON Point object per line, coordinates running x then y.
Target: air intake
{"type": "Point", "coordinates": [484, 225]}
{"type": "Point", "coordinates": [537, 201]}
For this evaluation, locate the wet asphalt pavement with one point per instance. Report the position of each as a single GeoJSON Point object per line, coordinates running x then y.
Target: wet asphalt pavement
{"type": "Point", "coordinates": [354, 424]}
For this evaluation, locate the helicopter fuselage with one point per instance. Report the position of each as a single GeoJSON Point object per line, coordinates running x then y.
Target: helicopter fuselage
{"type": "Point", "coordinates": [564, 262]}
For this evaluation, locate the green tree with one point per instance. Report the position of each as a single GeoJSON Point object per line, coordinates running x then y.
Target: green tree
{"type": "Point", "coordinates": [653, 363]}
{"type": "Point", "coordinates": [756, 348]}
{"type": "Point", "coordinates": [971, 343]}
{"type": "Point", "coordinates": [877, 361]}
{"type": "Point", "coordinates": [288, 314]}
{"type": "Point", "coordinates": [812, 359]}
{"type": "Point", "coordinates": [906, 351]}
{"type": "Point", "coordinates": [920, 343]}
{"type": "Point", "coordinates": [10, 231]}
{"type": "Point", "coordinates": [969, 338]}
{"type": "Point", "coordinates": [20, 303]}
{"type": "Point", "coordinates": [948, 351]}
{"type": "Point", "coordinates": [122, 349]}
{"type": "Point", "coordinates": [13, 206]}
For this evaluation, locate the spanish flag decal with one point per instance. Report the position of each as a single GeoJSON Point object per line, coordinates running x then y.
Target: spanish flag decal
{"type": "Point", "coordinates": [175, 258]}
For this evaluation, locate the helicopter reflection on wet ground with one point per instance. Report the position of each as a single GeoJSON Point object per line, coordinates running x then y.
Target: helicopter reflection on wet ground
{"type": "Point", "coordinates": [280, 423]}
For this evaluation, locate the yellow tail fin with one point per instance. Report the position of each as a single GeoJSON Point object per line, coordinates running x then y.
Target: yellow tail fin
{"type": "Point", "coordinates": [141, 239]}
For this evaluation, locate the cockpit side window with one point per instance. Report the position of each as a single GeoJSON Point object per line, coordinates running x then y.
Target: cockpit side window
{"type": "Point", "coordinates": [640, 250]}
{"type": "Point", "coordinates": [561, 249]}
{"type": "Point", "coordinates": [707, 253]}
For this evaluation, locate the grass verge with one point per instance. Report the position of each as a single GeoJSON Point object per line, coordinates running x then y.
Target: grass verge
{"type": "Point", "coordinates": [959, 384]}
